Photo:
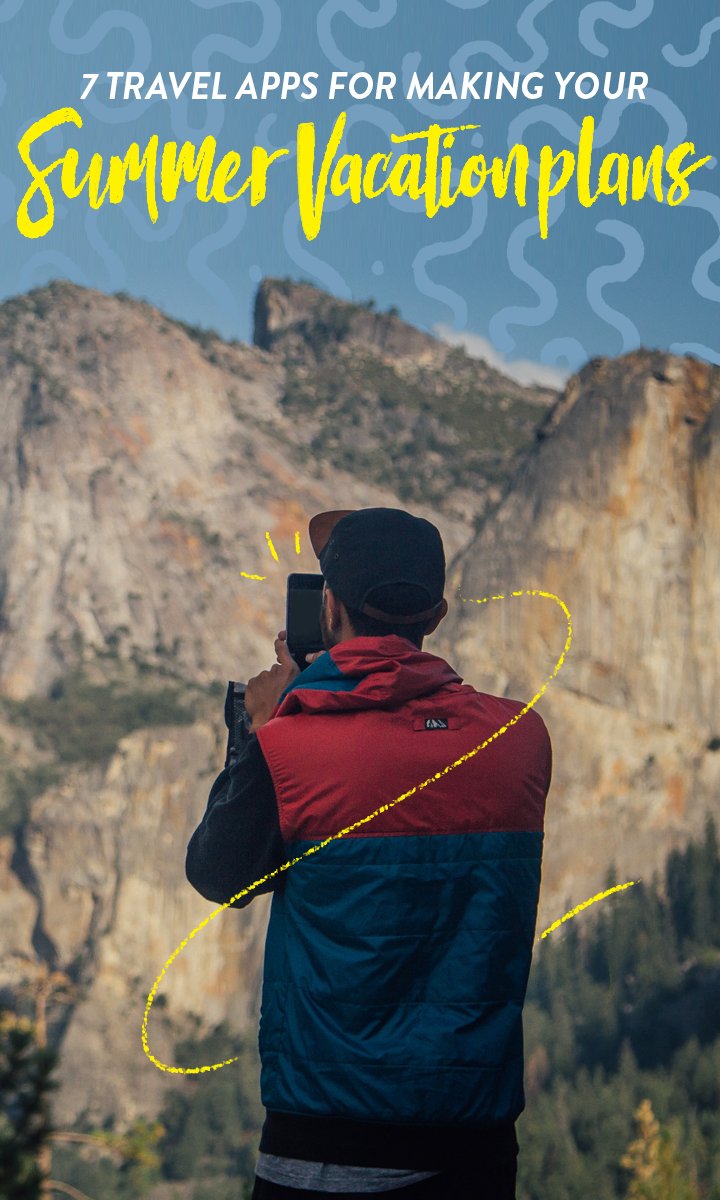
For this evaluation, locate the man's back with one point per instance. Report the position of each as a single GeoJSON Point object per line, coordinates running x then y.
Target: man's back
{"type": "Point", "coordinates": [410, 809]}
{"type": "Point", "coordinates": [398, 954]}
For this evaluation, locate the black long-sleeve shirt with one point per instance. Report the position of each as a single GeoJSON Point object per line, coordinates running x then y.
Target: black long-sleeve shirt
{"type": "Point", "coordinates": [238, 839]}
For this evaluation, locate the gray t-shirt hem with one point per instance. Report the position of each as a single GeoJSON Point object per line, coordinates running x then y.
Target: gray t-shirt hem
{"type": "Point", "coordinates": [331, 1177]}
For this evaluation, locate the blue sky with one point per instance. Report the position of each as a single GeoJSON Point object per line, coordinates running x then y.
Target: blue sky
{"type": "Point", "coordinates": [606, 279]}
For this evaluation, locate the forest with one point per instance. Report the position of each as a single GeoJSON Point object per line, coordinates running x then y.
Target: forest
{"type": "Point", "coordinates": [622, 1031]}
{"type": "Point", "coordinates": [624, 1007]}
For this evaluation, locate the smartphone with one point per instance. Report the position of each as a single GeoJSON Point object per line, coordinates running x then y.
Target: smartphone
{"type": "Point", "coordinates": [304, 601]}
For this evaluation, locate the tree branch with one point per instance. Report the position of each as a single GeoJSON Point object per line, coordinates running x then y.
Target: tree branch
{"type": "Point", "coordinates": [53, 1185]}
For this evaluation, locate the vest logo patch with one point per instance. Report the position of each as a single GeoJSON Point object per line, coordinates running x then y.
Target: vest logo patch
{"type": "Point", "coordinates": [436, 723]}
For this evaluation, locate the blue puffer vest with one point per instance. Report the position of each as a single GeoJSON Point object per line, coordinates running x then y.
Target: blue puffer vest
{"type": "Point", "coordinates": [397, 955]}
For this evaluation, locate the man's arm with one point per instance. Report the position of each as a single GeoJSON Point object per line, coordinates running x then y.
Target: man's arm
{"type": "Point", "coordinates": [238, 839]}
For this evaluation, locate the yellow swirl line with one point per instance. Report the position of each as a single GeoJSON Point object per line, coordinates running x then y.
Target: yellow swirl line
{"type": "Point", "coordinates": [356, 825]}
{"type": "Point", "coordinates": [619, 887]}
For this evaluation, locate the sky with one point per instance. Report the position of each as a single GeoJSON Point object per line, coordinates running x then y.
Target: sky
{"type": "Point", "coordinates": [606, 279]}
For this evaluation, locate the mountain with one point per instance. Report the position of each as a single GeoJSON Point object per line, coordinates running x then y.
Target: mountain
{"type": "Point", "coordinates": [368, 393]}
{"type": "Point", "coordinates": [143, 464]}
{"type": "Point", "coordinates": [617, 511]}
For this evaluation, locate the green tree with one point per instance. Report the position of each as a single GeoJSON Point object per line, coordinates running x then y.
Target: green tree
{"type": "Point", "coordinates": [692, 883]}
{"type": "Point", "coordinates": [620, 1008]}
{"type": "Point", "coordinates": [25, 1085]}
{"type": "Point", "coordinates": [213, 1122]}
{"type": "Point", "coordinates": [107, 1164]}
{"type": "Point", "coordinates": [658, 1172]}
{"type": "Point", "coordinates": [37, 1160]}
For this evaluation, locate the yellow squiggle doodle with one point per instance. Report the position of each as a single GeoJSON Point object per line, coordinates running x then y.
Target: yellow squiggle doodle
{"type": "Point", "coordinates": [273, 551]}
{"type": "Point", "coordinates": [356, 825]}
{"type": "Point", "coordinates": [619, 887]}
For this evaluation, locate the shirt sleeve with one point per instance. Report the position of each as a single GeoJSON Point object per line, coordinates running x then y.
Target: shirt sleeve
{"type": "Point", "coordinates": [238, 840]}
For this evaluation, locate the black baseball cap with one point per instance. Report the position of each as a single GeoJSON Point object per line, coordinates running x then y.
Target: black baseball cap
{"type": "Point", "coordinates": [382, 562]}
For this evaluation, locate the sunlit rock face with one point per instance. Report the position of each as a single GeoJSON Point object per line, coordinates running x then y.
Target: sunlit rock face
{"type": "Point", "coordinates": [617, 511]}
{"type": "Point", "coordinates": [143, 463]}
{"type": "Point", "coordinates": [103, 857]}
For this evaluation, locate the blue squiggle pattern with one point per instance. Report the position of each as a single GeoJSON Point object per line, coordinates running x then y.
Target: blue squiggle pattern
{"type": "Point", "coordinates": [565, 352]}
{"type": "Point", "coordinates": [610, 14]}
{"type": "Point", "coordinates": [701, 280]}
{"type": "Point", "coordinates": [236, 51]}
{"type": "Point", "coordinates": [549, 114]}
{"type": "Point", "coordinates": [607, 126]}
{"type": "Point", "coordinates": [232, 46]}
{"type": "Point", "coordinates": [693, 57]}
{"type": "Point", "coordinates": [103, 27]}
{"type": "Point", "coordinates": [198, 258]}
{"type": "Point", "coordinates": [476, 35]}
{"type": "Point", "coordinates": [458, 63]}
{"type": "Point", "coordinates": [666, 108]}
{"type": "Point", "coordinates": [360, 16]}
{"type": "Point", "coordinates": [168, 222]}
{"type": "Point", "coordinates": [241, 52]}
{"type": "Point", "coordinates": [315, 267]}
{"type": "Point", "coordinates": [445, 295]}
{"type": "Point", "coordinates": [115, 269]}
{"type": "Point", "coordinates": [534, 41]}
{"type": "Point", "coordinates": [35, 271]}
{"type": "Point", "coordinates": [213, 119]}
{"type": "Point", "coordinates": [10, 9]}
{"type": "Point", "coordinates": [262, 136]}
{"type": "Point", "coordinates": [544, 289]}
{"type": "Point", "coordinates": [698, 350]}
{"type": "Point", "coordinates": [619, 272]}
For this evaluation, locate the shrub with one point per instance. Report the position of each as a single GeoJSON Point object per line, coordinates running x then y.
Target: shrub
{"type": "Point", "coordinates": [83, 721]}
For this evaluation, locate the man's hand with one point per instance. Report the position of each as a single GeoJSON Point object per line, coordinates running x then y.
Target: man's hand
{"type": "Point", "coordinates": [264, 690]}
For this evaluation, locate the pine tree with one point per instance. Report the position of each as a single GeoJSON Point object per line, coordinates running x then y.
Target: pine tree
{"type": "Point", "coordinates": [657, 1169]}
{"type": "Point", "coordinates": [27, 1138]}
{"type": "Point", "coordinates": [25, 1083]}
{"type": "Point", "coordinates": [693, 890]}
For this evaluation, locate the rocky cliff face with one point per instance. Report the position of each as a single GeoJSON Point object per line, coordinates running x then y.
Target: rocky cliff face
{"type": "Point", "coordinates": [141, 466]}
{"type": "Point", "coordinates": [368, 393]}
{"type": "Point", "coordinates": [143, 462]}
{"type": "Point", "coordinates": [300, 320]}
{"type": "Point", "coordinates": [95, 888]}
{"type": "Point", "coordinates": [618, 512]}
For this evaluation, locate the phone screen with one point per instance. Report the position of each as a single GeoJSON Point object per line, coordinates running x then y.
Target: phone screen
{"type": "Point", "coordinates": [304, 601]}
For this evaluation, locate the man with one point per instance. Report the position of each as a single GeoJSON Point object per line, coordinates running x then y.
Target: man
{"type": "Point", "coordinates": [397, 955]}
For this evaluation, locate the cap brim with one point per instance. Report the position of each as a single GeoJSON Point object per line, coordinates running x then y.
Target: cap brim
{"type": "Point", "coordinates": [322, 525]}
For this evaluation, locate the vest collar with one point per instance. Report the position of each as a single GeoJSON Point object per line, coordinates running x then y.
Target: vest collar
{"type": "Point", "coordinates": [366, 672]}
